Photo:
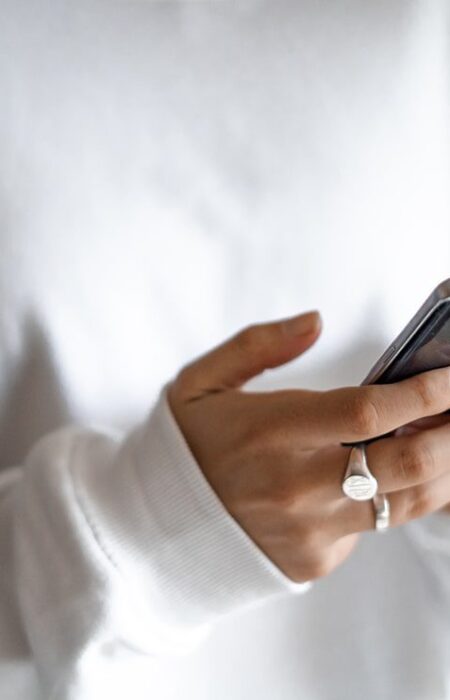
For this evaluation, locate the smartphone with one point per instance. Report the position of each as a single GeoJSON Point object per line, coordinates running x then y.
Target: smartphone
{"type": "Point", "coordinates": [423, 344]}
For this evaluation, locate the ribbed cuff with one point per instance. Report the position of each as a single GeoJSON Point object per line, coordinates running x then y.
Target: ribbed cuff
{"type": "Point", "coordinates": [165, 526]}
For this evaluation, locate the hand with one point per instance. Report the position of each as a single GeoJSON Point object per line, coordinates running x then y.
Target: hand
{"type": "Point", "coordinates": [424, 424]}
{"type": "Point", "coordinates": [275, 458]}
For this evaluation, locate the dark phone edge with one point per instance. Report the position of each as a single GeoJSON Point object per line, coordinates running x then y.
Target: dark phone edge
{"type": "Point", "coordinates": [439, 296]}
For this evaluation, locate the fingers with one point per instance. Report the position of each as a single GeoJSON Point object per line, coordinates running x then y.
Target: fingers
{"type": "Point", "coordinates": [406, 505]}
{"type": "Point", "coordinates": [397, 463]}
{"type": "Point", "coordinates": [357, 414]}
{"type": "Point", "coordinates": [420, 500]}
{"type": "Point", "coordinates": [413, 471]}
{"type": "Point", "coordinates": [422, 423]}
{"type": "Point", "coordinates": [249, 353]}
{"type": "Point", "coordinates": [409, 460]}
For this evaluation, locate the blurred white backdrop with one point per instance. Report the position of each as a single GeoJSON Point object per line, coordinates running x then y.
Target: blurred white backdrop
{"type": "Point", "coordinates": [180, 170]}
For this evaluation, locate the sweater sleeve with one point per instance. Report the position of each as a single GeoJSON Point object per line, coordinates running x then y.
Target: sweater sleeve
{"type": "Point", "coordinates": [120, 552]}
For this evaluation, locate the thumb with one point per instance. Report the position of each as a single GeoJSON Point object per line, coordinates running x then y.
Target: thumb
{"type": "Point", "coordinates": [248, 353]}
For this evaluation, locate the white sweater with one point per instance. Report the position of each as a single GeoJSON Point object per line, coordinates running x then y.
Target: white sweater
{"type": "Point", "coordinates": [170, 172]}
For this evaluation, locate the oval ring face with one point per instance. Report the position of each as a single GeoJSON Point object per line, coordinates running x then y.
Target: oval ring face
{"type": "Point", "coordinates": [360, 488]}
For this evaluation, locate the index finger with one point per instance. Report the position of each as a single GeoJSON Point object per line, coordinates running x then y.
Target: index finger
{"type": "Point", "coordinates": [367, 412]}
{"type": "Point", "coordinates": [358, 414]}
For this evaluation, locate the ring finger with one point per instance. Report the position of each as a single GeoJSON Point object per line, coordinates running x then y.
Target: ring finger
{"type": "Point", "coordinates": [405, 505]}
{"type": "Point", "coordinates": [410, 460]}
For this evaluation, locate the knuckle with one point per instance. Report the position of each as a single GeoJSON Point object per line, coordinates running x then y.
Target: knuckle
{"type": "Point", "coordinates": [250, 339]}
{"type": "Point", "coordinates": [419, 503]}
{"type": "Point", "coordinates": [363, 413]}
{"type": "Point", "coordinates": [427, 388]}
{"type": "Point", "coordinates": [416, 461]}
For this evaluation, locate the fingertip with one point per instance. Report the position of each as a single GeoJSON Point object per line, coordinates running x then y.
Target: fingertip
{"type": "Point", "coordinates": [307, 323]}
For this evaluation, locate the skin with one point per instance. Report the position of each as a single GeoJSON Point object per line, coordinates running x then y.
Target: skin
{"type": "Point", "coordinates": [276, 461]}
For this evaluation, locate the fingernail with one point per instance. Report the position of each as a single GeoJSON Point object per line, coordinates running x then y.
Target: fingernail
{"type": "Point", "coordinates": [302, 325]}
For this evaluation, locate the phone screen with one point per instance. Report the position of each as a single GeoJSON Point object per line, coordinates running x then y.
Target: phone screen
{"type": "Point", "coordinates": [428, 348]}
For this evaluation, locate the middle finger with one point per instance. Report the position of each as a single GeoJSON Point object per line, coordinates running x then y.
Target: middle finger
{"type": "Point", "coordinates": [409, 460]}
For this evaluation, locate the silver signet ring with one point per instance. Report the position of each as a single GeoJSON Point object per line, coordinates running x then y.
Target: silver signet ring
{"type": "Point", "coordinates": [359, 483]}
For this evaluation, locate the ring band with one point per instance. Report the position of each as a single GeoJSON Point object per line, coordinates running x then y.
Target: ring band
{"type": "Point", "coordinates": [359, 483]}
{"type": "Point", "coordinates": [382, 512]}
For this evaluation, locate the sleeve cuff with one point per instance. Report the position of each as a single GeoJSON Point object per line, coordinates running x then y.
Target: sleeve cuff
{"type": "Point", "coordinates": [226, 569]}
{"type": "Point", "coordinates": [165, 525]}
